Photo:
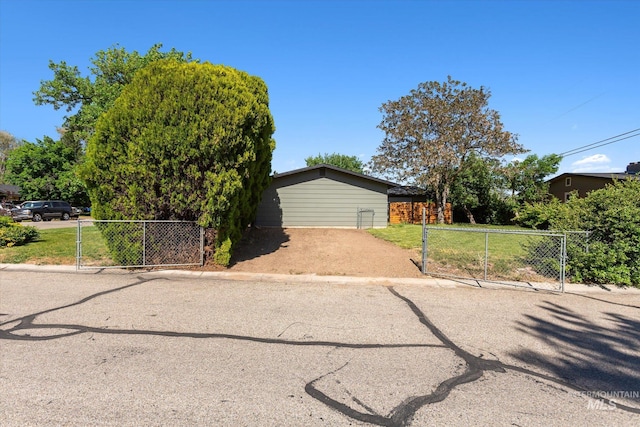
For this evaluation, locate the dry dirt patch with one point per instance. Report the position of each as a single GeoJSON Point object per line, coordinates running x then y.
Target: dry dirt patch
{"type": "Point", "coordinates": [323, 251]}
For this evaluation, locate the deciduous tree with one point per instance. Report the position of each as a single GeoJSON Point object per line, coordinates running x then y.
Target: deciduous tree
{"type": "Point", "coordinates": [46, 169]}
{"type": "Point", "coordinates": [474, 190]}
{"type": "Point", "coordinates": [87, 97]}
{"type": "Point", "coordinates": [525, 179]}
{"type": "Point", "coordinates": [343, 161]}
{"type": "Point", "coordinates": [430, 132]}
{"type": "Point", "coordinates": [8, 143]}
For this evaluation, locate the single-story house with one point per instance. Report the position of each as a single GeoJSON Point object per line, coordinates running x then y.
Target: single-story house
{"type": "Point", "coordinates": [562, 186]}
{"type": "Point", "coordinates": [324, 196]}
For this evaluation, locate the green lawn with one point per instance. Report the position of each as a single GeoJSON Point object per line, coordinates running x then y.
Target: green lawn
{"type": "Point", "coordinates": [459, 253]}
{"type": "Point", "coordinates": [58, 246]}
{"type": "Point", "coordinates": [463, 252]}
{"type": "Point", "coordinates": [409, 236]}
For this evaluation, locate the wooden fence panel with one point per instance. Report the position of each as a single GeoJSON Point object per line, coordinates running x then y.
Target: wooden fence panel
{"type": "Point", "coordinates": [411, 213]}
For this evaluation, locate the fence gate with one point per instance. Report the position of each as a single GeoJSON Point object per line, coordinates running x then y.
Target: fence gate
{"type": "Point", "coordinates": [532, 259]}
{"type": "Point", "coordinates": [121, 244]}
{"type": "Point", "coordinates": [365, 218]}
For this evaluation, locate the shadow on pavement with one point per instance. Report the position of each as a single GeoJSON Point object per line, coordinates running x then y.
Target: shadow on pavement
{"type": "Point", "coordinates": [593, 356]}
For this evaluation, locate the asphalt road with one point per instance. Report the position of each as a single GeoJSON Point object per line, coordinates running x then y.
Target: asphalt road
{"type": "Point", "coordinates": [173, 348]}
{"type": "Point", "coordinates": [56, 223]}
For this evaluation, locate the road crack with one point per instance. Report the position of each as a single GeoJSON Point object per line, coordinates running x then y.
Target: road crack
{"type": "Point", "coordinates": [403, 414]}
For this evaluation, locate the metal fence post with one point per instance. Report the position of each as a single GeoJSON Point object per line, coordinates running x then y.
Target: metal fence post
{"type": "Point", "coordinates": [563, 260]}
{"type": "Point", "coordinates": [201, 246]}
{"type": "Point", "coordinates": [78, 246]}
{"type": "Point", "coordinates": [163, 243]}
{"type": "Point", "coordinates": [486, 254]}
{"type": "Point", "coordinates": [533, 259]}
{"type": "Point", "coordinates": [424, 240]}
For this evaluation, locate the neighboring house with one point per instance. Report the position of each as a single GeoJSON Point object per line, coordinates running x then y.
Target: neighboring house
{"type": "Point", "coordinates": [9, 192]}
{"type": "Point", "coordinates": [562, 186]}
{"type": "Point", "coordinates": [324, 196]}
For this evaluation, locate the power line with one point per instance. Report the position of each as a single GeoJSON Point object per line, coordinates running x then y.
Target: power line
{"type": "Point", "coordinates": [601, 143]}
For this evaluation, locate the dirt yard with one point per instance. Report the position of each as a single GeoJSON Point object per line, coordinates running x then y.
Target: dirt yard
{"type": "Point", "coordinates": [323, 251]}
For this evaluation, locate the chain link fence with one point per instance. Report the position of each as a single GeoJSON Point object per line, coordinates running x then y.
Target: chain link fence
{"type": "Point", "coordinates": [121, 244]}
{"type": "Point", "coordinates": [533, 259]}
{"type": "Point", "coordinates": [517, 258]}
{"type": "Point", "coordinates": [577, 241]}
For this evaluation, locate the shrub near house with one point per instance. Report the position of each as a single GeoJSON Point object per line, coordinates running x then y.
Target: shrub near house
{"type": "Point", "coordinates": [612, 216]}
{"type": "Point", "coordinates": [12, 234]}
{"type": "Point", "coordinates": [184, 142]}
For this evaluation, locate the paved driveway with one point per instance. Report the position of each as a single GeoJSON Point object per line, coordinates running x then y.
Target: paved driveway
{"type": "Point", "coordinates": [116, 348]}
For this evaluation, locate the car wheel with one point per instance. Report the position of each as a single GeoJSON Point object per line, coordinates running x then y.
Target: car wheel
{"type": "Point", "coordinates": [65, 216]}
{"type": "Point", "coordinates": [37, 217]}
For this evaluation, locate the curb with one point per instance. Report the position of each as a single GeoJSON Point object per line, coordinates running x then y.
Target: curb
{"type": "Point", "coordinates": [241, 276]}
{"type": "Point", "coordinates": [570, 288]}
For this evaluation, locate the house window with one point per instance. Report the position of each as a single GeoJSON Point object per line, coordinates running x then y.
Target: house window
{"type": "Point", "coordinates": [567, 182]}
{"type": "Point", "coordinates": [567, 196]}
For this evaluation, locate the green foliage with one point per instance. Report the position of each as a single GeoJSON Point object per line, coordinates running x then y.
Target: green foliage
{"type": "Point", "coordinates": [473, 189]}
{"type": "Point", "coordinates": [526, 179]}
{"type": "Point", "coordinates": [541, 216]}
{"type": "Point", "coordinates": [184, 141]}
{"type": "Point", "coordinates": [603, 265]}
{"type": "Point", "coordinates": [46, 170]}
{"type": "Point", "coordinates": [488, 192]}
{"type": "Point", "coordinates": [430, 133]}
{"type": "Point", "coordinates": [222, 255]}
{"type": "Point", "coordinates": [612, 217]}
{"type": "Point", "coordinates": [8, 143]}
{"type": "Point", "coordinates": [343, 161]}
{"type": "Point", "coordinates": [90, 96]}
{"type": "Point", "coordinates": [124, 241]}
{"type": "Point", "coordinates": [12, 234]}
{"type": "Point", "coordinates": [503, 211]}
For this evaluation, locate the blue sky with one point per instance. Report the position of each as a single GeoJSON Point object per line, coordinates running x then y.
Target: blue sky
{"type": "Point", "coordinates": [563, 74]}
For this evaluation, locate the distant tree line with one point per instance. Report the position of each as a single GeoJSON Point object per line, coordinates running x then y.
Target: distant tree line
{"type": "Point", "coordinates": [352, 163]}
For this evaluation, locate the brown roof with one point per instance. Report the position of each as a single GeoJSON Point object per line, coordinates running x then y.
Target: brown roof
{"type": "Point", "coordinates": [603, 175]}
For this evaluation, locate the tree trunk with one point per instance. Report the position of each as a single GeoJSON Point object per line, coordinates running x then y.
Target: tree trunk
{"type": "Point", "coordinates": [469, 214]}
{"type": "Point", "coordinates": [441, 202]}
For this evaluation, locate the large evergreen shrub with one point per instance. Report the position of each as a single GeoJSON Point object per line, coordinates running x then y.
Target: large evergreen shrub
{"type": "Point", "coordinates": [184, 141]}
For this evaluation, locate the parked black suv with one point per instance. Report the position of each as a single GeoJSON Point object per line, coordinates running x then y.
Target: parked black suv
{"type": "Point", "coordinates": [43, 210]}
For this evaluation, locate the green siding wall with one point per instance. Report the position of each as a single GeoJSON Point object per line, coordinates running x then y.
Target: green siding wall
{"type": "Point", "coordinates": [311, 200]}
